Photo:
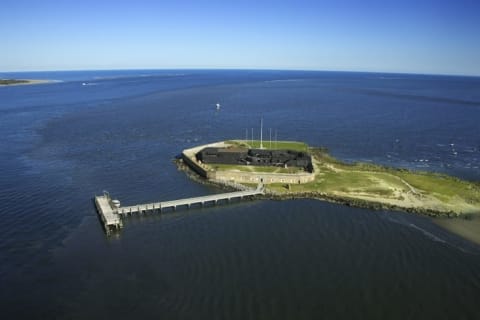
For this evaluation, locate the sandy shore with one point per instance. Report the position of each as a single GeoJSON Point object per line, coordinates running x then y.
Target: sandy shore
{"type": "Point", "coordinates": [27, 82]}
{"type": "Point", "coordinates": [466, 228]}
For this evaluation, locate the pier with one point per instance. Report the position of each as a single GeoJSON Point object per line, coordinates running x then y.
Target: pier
{"type": "Point", "coordinates": [107, 211]}
{"type": "Point", "coordinates": [112, 213]}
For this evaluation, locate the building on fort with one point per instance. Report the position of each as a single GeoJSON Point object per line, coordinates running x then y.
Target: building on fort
{"type": "Point", "coordinates": [255, 157]}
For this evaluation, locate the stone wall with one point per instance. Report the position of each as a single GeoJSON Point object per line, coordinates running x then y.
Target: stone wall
{"type": "Point", "coordinates": [264, 177]}
{"type": "Point", "coordinates": [188, 156]}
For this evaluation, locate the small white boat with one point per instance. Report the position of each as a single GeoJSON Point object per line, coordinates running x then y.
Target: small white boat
{"type": "Point", "coordinates": [218, 106]}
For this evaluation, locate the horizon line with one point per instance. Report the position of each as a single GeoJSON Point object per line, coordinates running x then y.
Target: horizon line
{"type": "Point", "coordinates": [247, 69]}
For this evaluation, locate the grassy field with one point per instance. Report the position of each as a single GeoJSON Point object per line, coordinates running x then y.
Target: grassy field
{"type": "Point", "coordinates": [393, 187]}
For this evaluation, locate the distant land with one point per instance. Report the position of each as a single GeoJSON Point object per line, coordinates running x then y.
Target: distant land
{"type": "Point", "coordinates": [17, 82]}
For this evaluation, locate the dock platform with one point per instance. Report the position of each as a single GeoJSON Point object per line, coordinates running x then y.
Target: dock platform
{"type": "Point", "coordinates": [111, 213]}
{"type": "Point", "coordinates": [106, 210]}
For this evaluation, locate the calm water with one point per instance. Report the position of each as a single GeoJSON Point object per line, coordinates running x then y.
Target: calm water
{"type": "Point", "coordinates": [63, 143]}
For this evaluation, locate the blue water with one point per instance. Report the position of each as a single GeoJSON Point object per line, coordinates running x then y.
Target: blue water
{"type": "Point", "coordinates": [64, 142]}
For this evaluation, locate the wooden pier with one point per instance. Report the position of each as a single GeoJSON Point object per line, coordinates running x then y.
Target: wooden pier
{"type": "Point", "coordinates": [111, 212]}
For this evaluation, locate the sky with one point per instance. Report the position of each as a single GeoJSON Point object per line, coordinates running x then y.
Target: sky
{"type": "Point", "coordinates": [407, 36]}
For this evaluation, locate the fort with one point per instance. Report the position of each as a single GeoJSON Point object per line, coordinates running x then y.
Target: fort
{"type": "Point", "coordinates": [236, 161]}
{"type": "Point", "coordinates": [256, 157]}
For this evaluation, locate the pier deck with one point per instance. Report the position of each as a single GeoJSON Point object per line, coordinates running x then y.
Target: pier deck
{"type": "Point", "coordinates": [111, 215]}
{"type": "Point", "coordinates": [188, 202]}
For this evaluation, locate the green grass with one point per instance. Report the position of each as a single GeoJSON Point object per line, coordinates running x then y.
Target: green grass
{"type": "Point", "coordinates": [428, 181]}
{"type": "Point", "coordinates": [364, 179]}
{"type": "Point", "coordinates": [443, 185]}
{"type": "Point", "coordinates": [279, 145]}
{"type": "Point", "coordinates": [356, 182]}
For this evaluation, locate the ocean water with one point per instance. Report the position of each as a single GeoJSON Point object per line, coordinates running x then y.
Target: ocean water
{"type": "Point", "coordinates": [63, 143]}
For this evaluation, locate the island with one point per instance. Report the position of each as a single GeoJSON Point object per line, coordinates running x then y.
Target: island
{"type": "Point", "coordinates": [16, 82]}
{"type": "Point", "coordinates": [290, 169]}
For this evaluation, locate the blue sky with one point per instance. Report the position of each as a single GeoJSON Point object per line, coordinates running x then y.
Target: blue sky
{"type": "Point", "coordinates": [421, 36]}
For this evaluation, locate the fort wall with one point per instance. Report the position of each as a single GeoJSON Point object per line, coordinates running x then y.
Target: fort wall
{"type": "Point", "coordinates": [263, 177]}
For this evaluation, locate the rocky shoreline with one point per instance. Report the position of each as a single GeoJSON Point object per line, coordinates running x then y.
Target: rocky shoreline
{"type": "Point", "coordinates": [358, 203]}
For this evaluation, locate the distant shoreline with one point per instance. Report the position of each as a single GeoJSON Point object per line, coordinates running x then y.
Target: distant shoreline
{"type": "Point", "coordinates": [22, 82]}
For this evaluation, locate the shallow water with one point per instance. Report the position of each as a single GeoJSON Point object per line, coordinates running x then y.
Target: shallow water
{"type": "Point", "coordinates": [468, 227]}
{"type": "Point", "coordinates": [65, 142]}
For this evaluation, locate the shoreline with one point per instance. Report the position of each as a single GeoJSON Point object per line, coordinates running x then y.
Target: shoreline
{"type": "Point", "coordinates": [463, 227]}
{"type": "Point", "coordinates": [350, 202]}
{"type": "Point", "coordinates": [24, 82]}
